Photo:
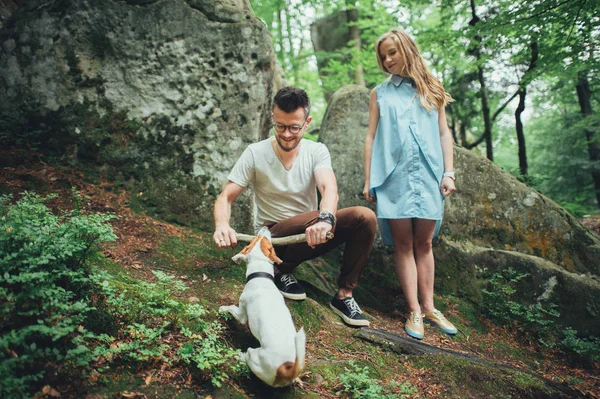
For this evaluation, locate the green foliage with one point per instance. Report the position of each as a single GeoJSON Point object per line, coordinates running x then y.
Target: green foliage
{"type": "Point", "coordinates": [58, 313]}
{"type": "Point", "coordinates": [44, 286]}
{"type": "Point", "coordinates": [358, 384]}
{"type": "Point", "coordinates": [148, 319]}
{"type": "Point", "coordinates": [587, 349]}
{"type": "Point", "coordinates": [537, 321]}
{"type": "Point", "coordinates": [209, 354]}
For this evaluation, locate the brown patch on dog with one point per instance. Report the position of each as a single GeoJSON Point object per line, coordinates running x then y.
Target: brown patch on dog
{"type": "Point", "coordinates": [286, 373]}
{"type": "Point", "coordinates": [251, 245]}
{"type": "Point", "coordinates": [267, 248]}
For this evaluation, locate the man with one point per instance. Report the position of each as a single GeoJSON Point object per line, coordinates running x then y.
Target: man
{"type": "Point", "coordinates": [285, 172]}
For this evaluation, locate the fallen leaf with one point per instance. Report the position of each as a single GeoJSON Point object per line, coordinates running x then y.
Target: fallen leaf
{"type": "Point", "coordinates": [204, 277]}
{"type": "Point", "coordinates": [48, 390]}
{"type": "Point", "coordinates": [132, 395]}
{"type": "Point", "coordinates": [148, 379]}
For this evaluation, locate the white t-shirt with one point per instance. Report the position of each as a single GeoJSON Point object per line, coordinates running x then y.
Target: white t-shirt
{"type": "Point", "coordinates": [279, 193]}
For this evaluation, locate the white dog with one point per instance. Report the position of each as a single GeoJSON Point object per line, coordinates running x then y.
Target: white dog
{"type": "Point", "coordinates": [280, 358]}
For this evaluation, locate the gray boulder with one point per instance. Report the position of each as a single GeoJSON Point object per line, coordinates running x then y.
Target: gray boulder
{"type": "Point", "coordinates": [343, 130]}
{"type": "Point", "coordinates": [163, 95]}
{"type": "Point", "coordinates": [492, 222]}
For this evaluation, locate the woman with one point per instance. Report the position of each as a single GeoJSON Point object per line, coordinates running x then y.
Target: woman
{"type": "Point", "coordinates": [408, 170]}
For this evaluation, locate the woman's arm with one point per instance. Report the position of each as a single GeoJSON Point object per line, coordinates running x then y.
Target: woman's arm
{"type": "Point", "coordinates": [447, 185]}
{"type": "Point", "coordinates": [373, 121]}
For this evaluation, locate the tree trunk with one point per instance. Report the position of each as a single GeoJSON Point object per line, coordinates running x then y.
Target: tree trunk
{"type": "Point", "coordinates": [584, 95]}
{"type": "Point", "coordinates": [522, 95]}
{"type": "Point", "coordinates": [292, 55]}
{"type": "Point", "coordinates": [520, 135]}
{"type": "Point", "coordinates": [353, 29]}
{"type": "Point", "coordinates": [453, 124]}
{"type": "Point", "coordinates": [485, 108]}
{"type": "Point", "coordinates": [487, 122]}
{"type": "Point", "coordinates": [280, 50]}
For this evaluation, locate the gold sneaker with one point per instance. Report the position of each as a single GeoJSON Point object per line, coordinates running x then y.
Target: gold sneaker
{"type": "Point", "coordinates": [437, 319]}
{"type": "Point", "coordinates": [414, 325]}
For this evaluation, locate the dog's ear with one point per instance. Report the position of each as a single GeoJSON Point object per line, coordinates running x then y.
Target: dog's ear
{"type": "Point", "coordinates": [267, 249]}
{"type": "Point", "coordinates": [240, 257]}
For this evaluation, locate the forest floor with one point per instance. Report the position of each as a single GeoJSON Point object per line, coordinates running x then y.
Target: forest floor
{"type": "Point", "coordinates": [147, 244]}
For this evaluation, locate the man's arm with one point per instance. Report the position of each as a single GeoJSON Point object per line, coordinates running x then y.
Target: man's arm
{"type": "Point", "coordinates": [224, 235]}
{"type": "Point", "coordinates": [327, 185]}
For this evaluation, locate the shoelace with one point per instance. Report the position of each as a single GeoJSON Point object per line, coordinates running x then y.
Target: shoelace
{"type": "Point", "coordinates": [439, 315]}
{"type": "Point", "coordinates": [353, 306]}
{"type": "Point", "coordinates": [288, 279]}
{"type": "Point", "coordinates": [416, 318]}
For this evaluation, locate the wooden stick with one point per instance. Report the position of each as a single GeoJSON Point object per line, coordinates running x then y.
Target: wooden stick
{"type": "Point", "coordinates": [280, 241]}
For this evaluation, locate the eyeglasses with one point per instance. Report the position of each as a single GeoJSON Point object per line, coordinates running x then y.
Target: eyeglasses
{"type": "Point", "coordinates": [294, 129]}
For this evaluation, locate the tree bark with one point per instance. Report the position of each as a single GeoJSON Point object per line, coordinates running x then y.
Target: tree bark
{"type": "Point", "coordinates": [485, 108]}
{"type": "Point", "coordinates": [280, 50]}
{"type": "Point", "coordinates": [519, 111]}
{"type": "Point", "coordinates": [292, 55]}
{"type": "Point", "coordinates": [584, 95]}
{"type": "Point", "coordinates": [354, 30]}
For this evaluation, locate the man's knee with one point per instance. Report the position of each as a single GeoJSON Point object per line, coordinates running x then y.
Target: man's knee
{"type": "Point", "coordinates": [361, 217]}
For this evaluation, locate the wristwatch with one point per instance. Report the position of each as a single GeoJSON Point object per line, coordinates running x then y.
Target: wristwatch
{"type": "Point", "coordinates": [326, 217]}
{"type": "Point", "coordinates": [449, 174]}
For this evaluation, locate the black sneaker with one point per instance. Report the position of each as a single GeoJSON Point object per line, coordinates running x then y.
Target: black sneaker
{"type": "Point", "coordinates": [349, 311]}
{"type": "Point", "coordinates": [289, 287]}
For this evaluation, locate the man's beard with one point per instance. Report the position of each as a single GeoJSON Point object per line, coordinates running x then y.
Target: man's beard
{"type": "Point", "coordinates": [287, 149]}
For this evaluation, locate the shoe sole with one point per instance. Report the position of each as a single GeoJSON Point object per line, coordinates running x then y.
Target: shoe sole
{"type": "Point", "coordinates": [294, 297]}
{"type": "Point", "coordinates": [349, 321]}
{"type": "Point", "coordinates": [449, 332]}
{"type": "Point", "coordinates": [413, 334]}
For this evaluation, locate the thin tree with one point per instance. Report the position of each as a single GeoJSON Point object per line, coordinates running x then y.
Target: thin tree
{"type": "Point", "coordinates": [521, 107]}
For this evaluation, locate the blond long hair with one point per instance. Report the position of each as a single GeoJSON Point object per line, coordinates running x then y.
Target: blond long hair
{"type": "Point", "coordinates": [431, 91]}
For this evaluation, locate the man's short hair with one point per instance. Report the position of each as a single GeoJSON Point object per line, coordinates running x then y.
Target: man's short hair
{"type": "Point", "coordinates": [290, 98]}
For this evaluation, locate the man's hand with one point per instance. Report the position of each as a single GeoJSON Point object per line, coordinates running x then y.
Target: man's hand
{"type": "Point", "coordinates": [317, 233]}
{"type": "Point", "coordinates": [225, 237]}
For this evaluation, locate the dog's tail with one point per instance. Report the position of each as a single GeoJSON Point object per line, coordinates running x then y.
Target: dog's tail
{"type": "Point", "coordinates": [290, 370]}
{"type": "Point", "coordinates": [300, 341]}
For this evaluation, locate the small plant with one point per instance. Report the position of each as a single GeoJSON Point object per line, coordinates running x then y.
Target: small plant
{"type": "Point", "coordinates": [586, 349]}
{"type": "Point", "coordinates": [44, 287]}
{"type": "Point", "coordinates": [358, 384]}
{"type": "Point", "coordinates": [535, 321]}
{"type": "Point", "coordinates": [149, 319]}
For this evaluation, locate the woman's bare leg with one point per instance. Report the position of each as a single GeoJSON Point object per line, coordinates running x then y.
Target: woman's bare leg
{"type": "Point", "coordinates": [404, 261]}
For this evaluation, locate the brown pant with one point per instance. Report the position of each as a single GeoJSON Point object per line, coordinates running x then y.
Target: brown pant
{"type": "Point", "coordinates": [355, 226]}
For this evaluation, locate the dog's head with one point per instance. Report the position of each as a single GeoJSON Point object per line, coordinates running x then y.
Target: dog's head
{"type": "Point", "coordinates": [259, 246]}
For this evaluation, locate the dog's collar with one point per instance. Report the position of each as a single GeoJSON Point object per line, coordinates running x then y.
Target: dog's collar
{"type": "Point", "coordinates": [260, 274]}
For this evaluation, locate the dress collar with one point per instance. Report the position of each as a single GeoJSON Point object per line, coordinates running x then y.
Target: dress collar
{"type": "Point", "coordinates": [398, 80]}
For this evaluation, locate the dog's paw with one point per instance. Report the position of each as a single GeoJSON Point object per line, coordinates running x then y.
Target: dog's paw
{"type": "Point", "coordinates": [223, 309]}
{"type": "Point", "coordinates": [242, 356]}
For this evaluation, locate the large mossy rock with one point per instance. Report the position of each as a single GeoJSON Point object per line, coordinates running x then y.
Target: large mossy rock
{"type": "Point", "coordinates": [492, 222]}
{"type": "Point", "coordinates": [344, 131]}
{"type": "Point", "coordinates": [162, 95]}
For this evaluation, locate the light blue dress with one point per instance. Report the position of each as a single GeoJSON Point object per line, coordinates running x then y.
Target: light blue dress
{"type": "Point", "coordinates": [407, 163]}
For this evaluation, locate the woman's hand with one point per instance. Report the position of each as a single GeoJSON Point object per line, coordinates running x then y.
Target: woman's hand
{"type": "Point", "coordinates": [366, 192]}
{"type": "Point", "coordinates": [447, 186]}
